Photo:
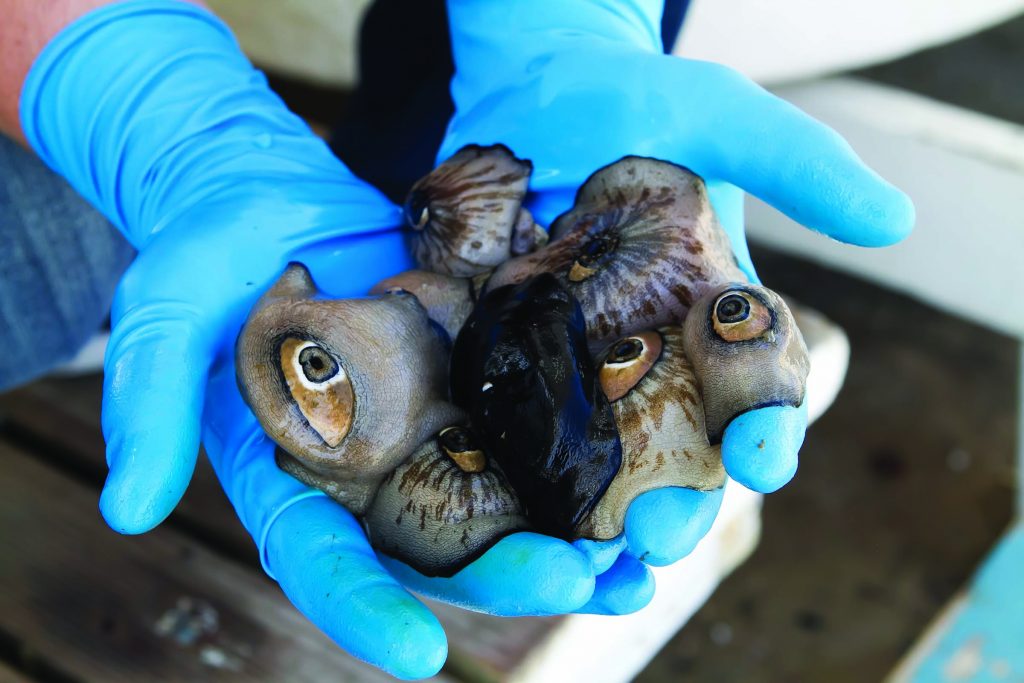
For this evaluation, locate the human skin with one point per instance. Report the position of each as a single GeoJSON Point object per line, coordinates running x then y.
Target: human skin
{"type": "Point", "coordinates": [27, 27]}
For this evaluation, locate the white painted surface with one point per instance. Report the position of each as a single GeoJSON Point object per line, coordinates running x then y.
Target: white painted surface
{"type": "Point", "coordinates": [829, 348]}
{"type": "Point", "coordinates": [772, 41]}
{"type": "Point", "coordinates": [965, 173]}
{"type": "Point", "coordinates": [778, 41]}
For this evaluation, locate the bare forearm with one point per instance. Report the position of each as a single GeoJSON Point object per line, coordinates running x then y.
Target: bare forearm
{"type": "Point", "coordinates": [27, 26]}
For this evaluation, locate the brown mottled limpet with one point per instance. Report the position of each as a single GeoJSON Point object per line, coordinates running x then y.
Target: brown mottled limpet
{"type": "Point", "coordinates": [444, 506]}
{"type": "Point", "coordinates": [642, 248]}
{"type": "Point", "coordinates": [467, 214]}
{"type": "Point", "coordinates": [639, 246]}
{"type": "Point", "coordinates": [658, 412]}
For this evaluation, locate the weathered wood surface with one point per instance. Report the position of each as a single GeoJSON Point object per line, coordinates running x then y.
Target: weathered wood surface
{"type": "Point", "coordinates": [60, 419]}
{"type": "Point", "coordinates": [157, 607]}
{"type": "Point", "coordinates": [9, 675]}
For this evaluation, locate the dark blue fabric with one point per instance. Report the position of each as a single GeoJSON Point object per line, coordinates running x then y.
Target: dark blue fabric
{"type": "Point", "coordinates": [672, 19]}
{"type": "Point", "coordinates": [60, 261]}
{"type": "Point", "coordinates": [396, 118]}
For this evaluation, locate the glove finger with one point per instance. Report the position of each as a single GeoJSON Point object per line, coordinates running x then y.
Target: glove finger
{"type": "Point", "coordinates": [524, 574]}
{"type": "Point", "coordinates": [626, 587]}
{"type": "Point", "coordinates": [760, 448]}
{"type": "Point", "coordinates": [602, 554]}
{"type": "Point", "coordinates": [664, 525]}
{"type": "Point", "coordinates": [314, 548]}
{"type": "Point", "coordinates": [321, 558]}
{"type": "Point", "coordinates": [154, 379]}
{"type": "Point", "coordinates": [800, 166]}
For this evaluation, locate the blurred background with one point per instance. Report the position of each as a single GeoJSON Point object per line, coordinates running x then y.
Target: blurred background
{"type": "Point", "coordinates": [893, 554]}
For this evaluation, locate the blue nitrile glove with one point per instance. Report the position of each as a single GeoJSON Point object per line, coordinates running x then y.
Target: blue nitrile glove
{"type": "Point", "coordinates": [151, 111]}
{"type": "Point", "coordinates": [574, 85]}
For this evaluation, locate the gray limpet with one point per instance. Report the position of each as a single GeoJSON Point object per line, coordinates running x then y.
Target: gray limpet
{"type": "Point", "coordinates": [448, 300]}
{"type": "Point", "coordinates": [641, 249]}
{"type": "Point", "coordinates": [747, 353]}
{"type": "Point", "coordinates": [639, 246]}
{"type": "Point", "coordinates": [347, 387]}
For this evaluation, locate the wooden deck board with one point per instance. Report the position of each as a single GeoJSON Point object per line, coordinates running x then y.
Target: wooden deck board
{"type": "Point", "coordinates": [9, 675]}
{"type": "Point", "coordinates": [61, 417]}
{"type": "Point", "coordinates": [157, 607]}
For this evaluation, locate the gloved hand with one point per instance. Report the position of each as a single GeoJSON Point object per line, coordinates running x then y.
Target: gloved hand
{"type": "Point", "coordinates": [577, 84]}
{"type": "Point", "coordinates": [151, 111]}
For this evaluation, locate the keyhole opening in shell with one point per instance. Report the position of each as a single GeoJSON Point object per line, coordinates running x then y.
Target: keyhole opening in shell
{"type": "Point", "coordinates": [460, 445]}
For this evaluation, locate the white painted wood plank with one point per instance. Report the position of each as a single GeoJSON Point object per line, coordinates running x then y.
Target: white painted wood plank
{"type": "Point", "coordinates": [965, 173]}
{"type": "Point", "coordinates": [829, 348]}
{"type": "Point", "coordinates": [786, 40]}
